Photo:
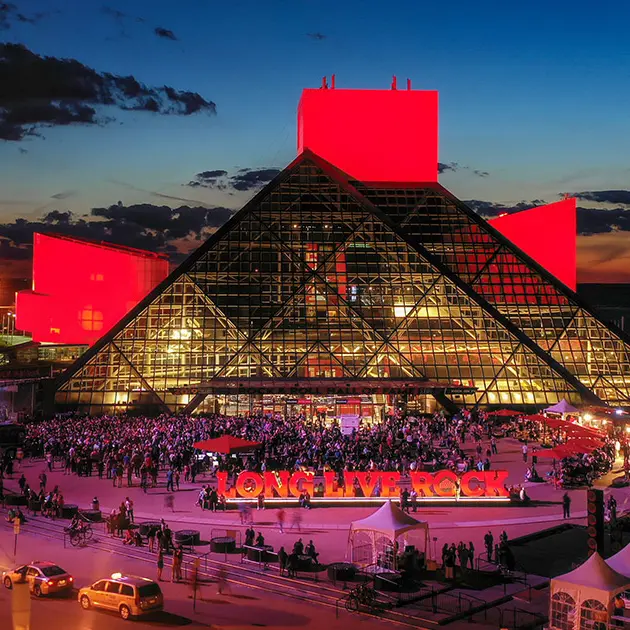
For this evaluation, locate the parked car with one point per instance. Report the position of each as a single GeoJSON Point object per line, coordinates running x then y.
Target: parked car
{"type": "Point", "coordinates": [44, 578]}
{"type": "Point", "coordinates": [129, 595]}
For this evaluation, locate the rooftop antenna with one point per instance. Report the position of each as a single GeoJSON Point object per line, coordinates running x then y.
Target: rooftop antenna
{"type": "Point", "coordinates": [332, 82]}
{"type": "Point", "coordinates": [324, 83]}
{"type": "Point", "coordinates": [394, 82]}
{"type": "Point", "coordinates": [409, 84]}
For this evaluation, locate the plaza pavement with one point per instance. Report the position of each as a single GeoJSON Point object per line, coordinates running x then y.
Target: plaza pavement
{"type": "Point", "coordinates": [328, 526]}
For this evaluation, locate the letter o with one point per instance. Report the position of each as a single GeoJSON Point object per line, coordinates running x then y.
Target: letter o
{"type": "Point", "coordinates": [249, 485]}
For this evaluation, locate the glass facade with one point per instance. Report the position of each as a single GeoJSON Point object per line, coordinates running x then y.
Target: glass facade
{"type": "Point", "coordinates": [318, 277]}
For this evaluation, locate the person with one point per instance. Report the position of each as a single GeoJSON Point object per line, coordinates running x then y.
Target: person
{"type": "Point", "coordinates": [282, 560]}
{"type": "Point", "coordinates": [471, 554]}
{"type": "Point", "coordinates": [222, 581]}
{"type": "Point", "coordinates": [178, 557]}
{"type": "Point", "coordinates": [311, 552]}
{"type": "Point", "coordinates": [298, 547]}
{"type": "Point", "coordinates": [151, 535]}
{"type": "Point", "coordinates": [260, 540]}
{"type": "Point", "coordinates": [129, 538]}
{"type": "Point", "coordinates": [523, 496]}
{"type": "Point", "coordinates": [129, 508]}
{"type": "Point", "coordinates": [619, 607]}
{"type": "Point", "coordinates": [281, 514]}
{"type": "Point", "coordinates": [488, 541]}
{"type": "Point", "coordinates": [493, 445]}
{"type": "Point", "coordinates": [292, 564]}
{"type": "Point", "coordinates": [160, 564]}
{"type": "Point", "coordinates": [296, 520]}
{"type": "Point", "coordinates": [413, 496]}
{"type": "Point", "coordinates": [612, 506]}
{"type": "Point", "coordinates": [250, 534]}
{"type": "Point", "coordinates": [260, 503]}
{"type": "Point", "coordinates": [566, 505]}
{"type": "Point", "coordinates": [524, 449]}
{"type": "Point", "coordinates": [404, 500]}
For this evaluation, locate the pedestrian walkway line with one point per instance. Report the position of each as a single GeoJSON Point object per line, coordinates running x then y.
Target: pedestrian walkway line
{"type": "Point", "coordinates": [549, 518]}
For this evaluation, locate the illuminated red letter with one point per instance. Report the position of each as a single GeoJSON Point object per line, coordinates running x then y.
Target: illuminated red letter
{"type": "Point", "coordinates": [222, 478]}
{"type": "Point", "coordinates": [445, 483]}
{"type": "Point", "coordinates": [249, 485]}
{"type": "Point", "coordinates": [469, 490]}
{"type": "Point", "coordinates": [301, 482]}
{"type": "Point", "coordinates": [389, 482]}
{"type": "Point", "coordinates": [368, 481]}
{"type": "Point", "coordinates": [422, 482]}
{"type": "Point", "coordinates": [495, 483]}
{"type": "Point", "coordinates": [329, 485]}
{"type": "Point", "coordinates": [278, 482]}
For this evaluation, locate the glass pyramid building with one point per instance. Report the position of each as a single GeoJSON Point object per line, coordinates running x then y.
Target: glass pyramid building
{"type": "Point", "coordinates": [320, 280]}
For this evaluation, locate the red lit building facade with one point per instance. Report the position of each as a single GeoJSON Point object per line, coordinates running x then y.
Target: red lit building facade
{"type": "Point", "coordinates": [82, 288]}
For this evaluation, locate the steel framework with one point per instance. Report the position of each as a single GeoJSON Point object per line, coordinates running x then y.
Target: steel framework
{"type": "Point", "coordinates": [319, 277]}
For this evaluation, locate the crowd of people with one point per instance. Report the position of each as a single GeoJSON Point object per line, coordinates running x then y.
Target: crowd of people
{"type": "Point", "coordinates": [124, 449]}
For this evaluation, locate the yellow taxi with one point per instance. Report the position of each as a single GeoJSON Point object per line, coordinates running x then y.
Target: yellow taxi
{"type": "Point", "coordinates": [128, 595]}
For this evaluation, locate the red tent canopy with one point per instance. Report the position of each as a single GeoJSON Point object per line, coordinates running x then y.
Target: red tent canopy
{"type": "Point", "coordinates": [504, 413]}
{"type": "Point", "coordinates": [227, 444]}
{"type": "Point", "coordinates": [584, 445]}
{"type": "Point", "coordinates": [559, 452]}
{"type": "Point", "coordinates": [537, 417]}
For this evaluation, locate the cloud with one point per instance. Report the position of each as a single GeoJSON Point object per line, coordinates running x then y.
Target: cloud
{"type": "Point", "coordinates": [10, 14]}
{"type": "Point", "coordinates": [602, 220]}
{"type": "Point", "coordinates": [243, 180]}
{"type": "Point", "coordinates": [165, 33]}
{"type": "Point", "coordinates": [249, 179]}
{"type": "Point", "coordinates": [490, 209]}
{"type": "Point", "coordinates": [442, 168]}
{"type": "Point", "coordinates": [455, 166]}
{"type": "Point", "coordinates": [620, 197]}
{"type": "Point", "coordinates": [66, 194]}
{"type": "Point", "coordinates": [41, 91]}
{"type": "Point", "coordinates": [209, 179]}
{"type": "Point", "coordinates": [316, 36]}
{"type": "Point", "coordinates": [145, 226]}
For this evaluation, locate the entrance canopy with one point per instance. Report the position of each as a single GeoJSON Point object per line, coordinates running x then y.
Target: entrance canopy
{"type": "Point", "coordinates": [329, 386]}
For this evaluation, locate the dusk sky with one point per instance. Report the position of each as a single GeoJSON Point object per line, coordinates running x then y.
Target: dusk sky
{"type": "Point", "coordinates": [534, 102]}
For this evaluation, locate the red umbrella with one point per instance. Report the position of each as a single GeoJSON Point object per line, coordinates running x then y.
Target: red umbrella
{"type": "Point", "coordinates": [556, 423]}
{"type": "Point", "coordinates": [581, 431]}
{"type": "Point", "coordinates": [504, 413]}
{"type": "Point", "coordinates": [227, 444]}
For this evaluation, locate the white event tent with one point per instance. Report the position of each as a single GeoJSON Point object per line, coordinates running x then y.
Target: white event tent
{"type": "Point", "coordinates": [562, 407]}
{"type": "Point", "coordinates": [583, 598]}
{"type": "Point", "coordinates": [376, 539]}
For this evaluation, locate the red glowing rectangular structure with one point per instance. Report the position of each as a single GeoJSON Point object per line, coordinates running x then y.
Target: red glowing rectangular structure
{"type": "Point", "coordinates": [82, 288]}
{"type": "Point", "coordinates": [372, 135]}
{"type": "Point", "coordinates": [548, 234]}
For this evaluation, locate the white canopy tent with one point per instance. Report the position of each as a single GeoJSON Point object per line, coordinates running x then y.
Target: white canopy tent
{"type": "Point", "coordinates": [376, 539]}
{"type": "Point", "coordinates": [583, 598]}
{"type": "Point", "coordinates": [562, 407]}
{"type": "Point", "coordinates": [620, 562]}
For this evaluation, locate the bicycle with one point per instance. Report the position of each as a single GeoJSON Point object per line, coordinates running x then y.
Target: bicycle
{"type": "Point", "coordinates": [80, 535]}
{"type": "Point", "coordinates": [362, 595]}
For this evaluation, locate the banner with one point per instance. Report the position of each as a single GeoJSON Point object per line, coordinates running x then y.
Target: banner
{"type": "Point", "coordinates": [443, 484]}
